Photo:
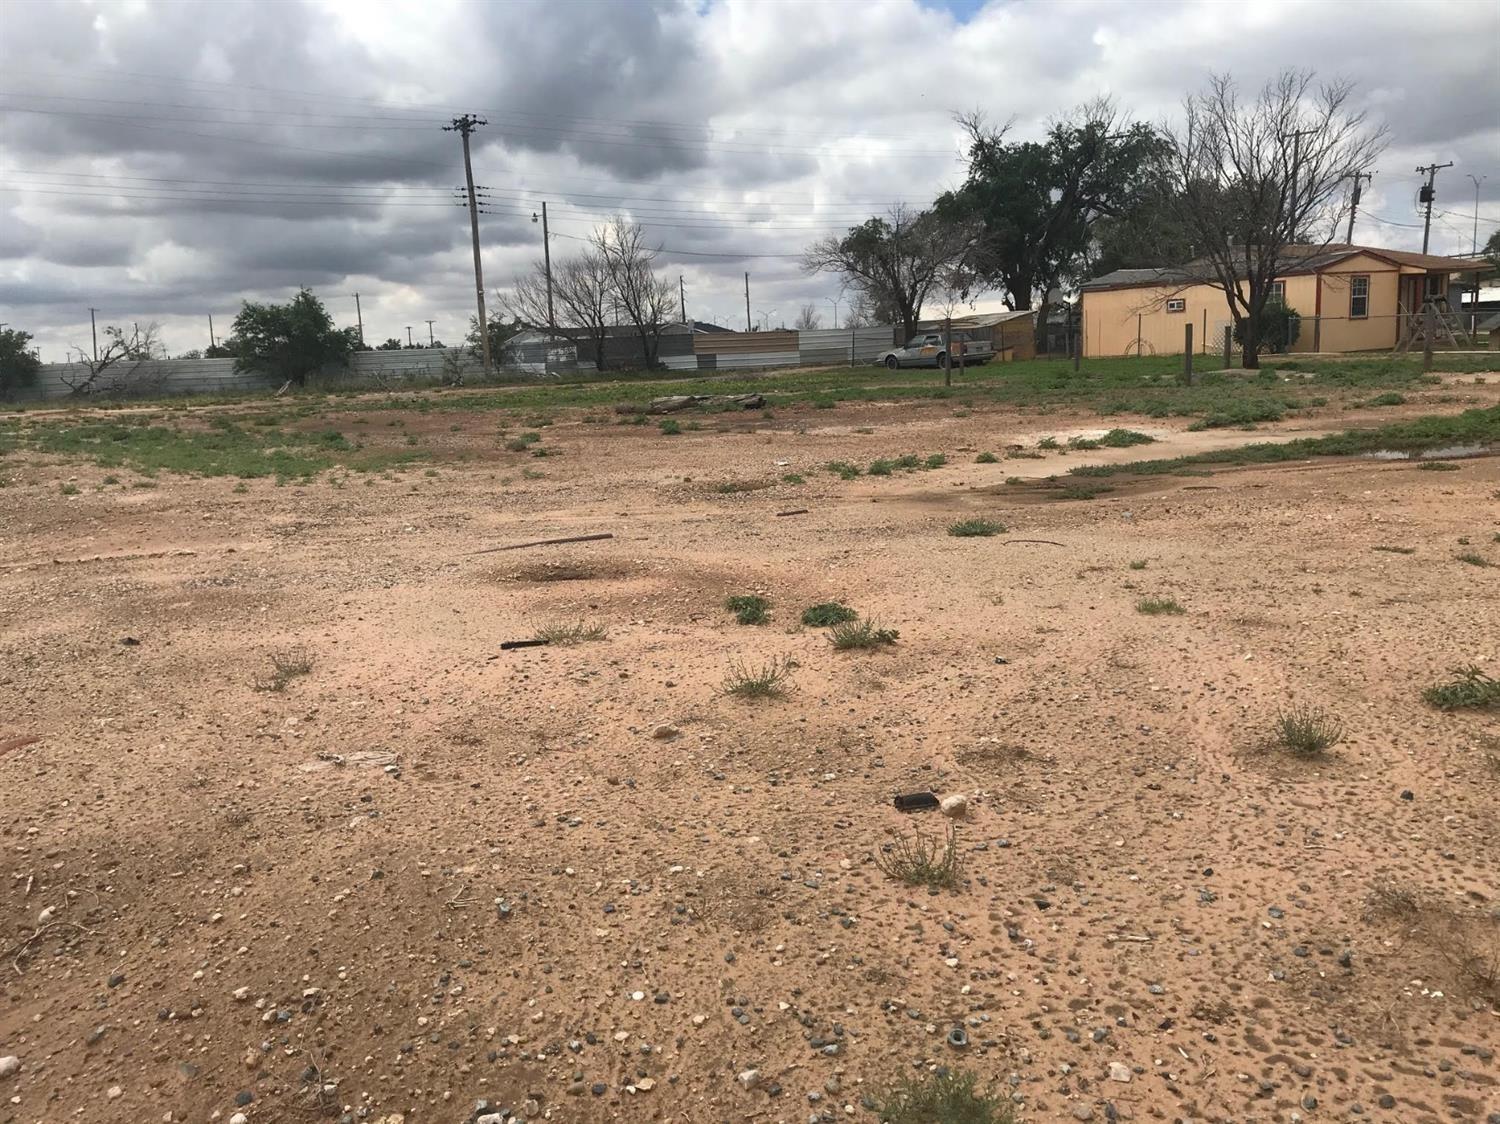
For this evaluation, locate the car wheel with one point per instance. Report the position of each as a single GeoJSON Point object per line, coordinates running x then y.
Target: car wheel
{"type": "Point", "coordinates": [943, 361]}
{"type": "Point", "coordinates": [890, 363]}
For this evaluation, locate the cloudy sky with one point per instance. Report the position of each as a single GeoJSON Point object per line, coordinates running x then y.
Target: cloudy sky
{"type": "Point", "coordinates": [166, 160]}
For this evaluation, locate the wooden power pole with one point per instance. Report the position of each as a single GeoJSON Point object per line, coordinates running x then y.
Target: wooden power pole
{"type": "Point", "coordinates": [463, 126]}
{"type": "Point", "coordinates": [1427, 195]}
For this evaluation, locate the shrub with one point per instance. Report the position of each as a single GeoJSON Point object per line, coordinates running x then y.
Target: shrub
{"type": "Point", "coordinates": [919, 861]}
{"type": "Point", "coordinates": [1438, 466]}
{"type": "Point", "coordinates": [794, 478]}
{"type": "Point", "coordinates": [1473, 559]}
{"type": "Point", "coordinates": [1049, 443]}
{"type": "Point", "coordinates": [976, 528]}
{"type": "Point", "coordinates": [848, 635]}
{"type": "Point", "coordinates": [564, 633]}
{"type": "Point", "coordinates": [843, 469]}
{"type": "Point", "coordinates": [286, 666]}
{"type": "Point", "coordinates": [1156, 606]}
{"type": "Point", "coordinates": [826, 614]}
{"type": "Point", "coordinates": [1469, 688]}
{"type": "Point", "coordinates": [935, 460]}
{"type": "Point", "coordinates": [1138, 565]}
{"type": "Point", "coordinates": [748, 608]}
{"type": "Point", "coordinates": [69, 489]}
{"type": "Point", "coordinates": [881, 468]}
{"type": "Point", "coordinates": [770, 680]}
{"type": "Point", "coordinates": [943, 1097]}
{"type": "Point", "coordinates": [1389, 398]}
{"type": "Point", "coordinates": [1396, 549]}
{"type": "Point", "coordinates": [670, 427]}
{"type": "Point", "coordinates": [1307, 730]}
{"type": "Point", "coordinates": [986, 458]}
{"type": "Point", "coordinates": [1124, 438]}
{"type": "Point", "coordinates": [1280, 326]}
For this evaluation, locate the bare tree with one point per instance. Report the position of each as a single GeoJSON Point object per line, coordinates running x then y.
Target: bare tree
{"type": "Point", "coordinates": [894, 261]}
{"type": "Point", "coordinates": [527, 299]}
{"type": "Point", "coordinates": [582, 287]}
{"type": "Point", "coordinates": [861, 312]}
{"type": "Point", "coordinates": [1254, 180]}
{"type": "Point", "coordinates": [113, 370]}
{"type": "Point", "coordinates": [645, 297]}
{"type": "Point", "coordinates": [808, 319]}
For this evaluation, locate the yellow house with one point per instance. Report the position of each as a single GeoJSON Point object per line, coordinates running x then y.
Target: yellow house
{"type": "Point", "coordinates": [1350, 298]}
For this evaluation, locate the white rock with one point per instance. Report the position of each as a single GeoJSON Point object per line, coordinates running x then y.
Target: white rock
{"type": "Point", "coordinates": [490, 1118]}
{"type": "Point", "coordinates": [241, 994]}
{"type": "Point", "coordinates": [749, 1078]}
{"type": "Point", "coordinates": [45, 916]}
{"type": "Point", "coordinates": [9, 1064]}
{"type": "Point", "coordinates": [239, 1118]}
{"type": "Point", "coordinates": [955, 806]}
{"type": "Point", "coordinates": [114, 1092]}
{"type": "Point", "coordinates": [646, 1084]}
{"type": "Point", "coordinates": [1119, 1071]}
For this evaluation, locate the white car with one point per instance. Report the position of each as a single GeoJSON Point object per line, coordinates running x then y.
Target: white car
{"type": "Point", "coordinates": [925, 349]}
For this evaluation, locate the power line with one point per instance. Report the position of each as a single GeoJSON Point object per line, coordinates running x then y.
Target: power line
{"type": "Point", "coordinates": [427, 108]}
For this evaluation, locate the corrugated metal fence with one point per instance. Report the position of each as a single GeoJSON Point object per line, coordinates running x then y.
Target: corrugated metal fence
{"type": "Point", "coordinates": [702, 351]}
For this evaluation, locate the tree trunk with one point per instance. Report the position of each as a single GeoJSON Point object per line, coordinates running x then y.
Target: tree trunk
{"type": "Point", "coordinates": [599, 353]}
{"type": "Point", "coordinates": [908, 322]}
{"type": "Point", "coordinates": [1250, 337]}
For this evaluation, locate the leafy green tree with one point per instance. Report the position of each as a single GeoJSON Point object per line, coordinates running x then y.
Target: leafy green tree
{"type": "Point", "coordinates": [291, 341]}
{"type": "Point", "coordinates": [1492, 250]}
{"type": "Point", "coordinates": [19, 366]}
{"type": "Point", "coordinates": [499, 332]}
{"type": "Point", "coordinates": [1037, 202]}
{"type": "Point", "coordinates": [391, 344]}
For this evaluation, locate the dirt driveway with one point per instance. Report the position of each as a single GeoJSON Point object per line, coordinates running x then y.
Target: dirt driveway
{"type": "Point", "coordinates": [416, 877]}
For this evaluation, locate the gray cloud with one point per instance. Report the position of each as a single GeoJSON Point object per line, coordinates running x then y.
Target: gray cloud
{"type": "Point", "coordinates": [730, 128]}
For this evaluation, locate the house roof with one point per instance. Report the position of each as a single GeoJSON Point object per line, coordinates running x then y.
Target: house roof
{"type": "Point", "coordinates": [979, 320]}
{"type": "Point", "coordinates": [1308, 259]}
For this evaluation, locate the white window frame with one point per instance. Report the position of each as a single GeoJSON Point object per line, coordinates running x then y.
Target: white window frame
{"type": "Point", "coordinates": [1176, 304]}
{"type": "Point", "coordinates": [1355, 281]}
{"type": "Point", "coordinates": [1278, 291]}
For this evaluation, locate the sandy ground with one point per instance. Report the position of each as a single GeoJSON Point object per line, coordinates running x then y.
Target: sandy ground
{"type": "Point", "coordinates": [430, 879]}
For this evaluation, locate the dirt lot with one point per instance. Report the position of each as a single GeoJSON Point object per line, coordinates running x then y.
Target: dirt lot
{"type": "Point", "coordinates": [581, 883]}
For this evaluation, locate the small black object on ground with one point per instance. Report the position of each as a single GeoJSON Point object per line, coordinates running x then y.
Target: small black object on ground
{"type": "Point", "coordinates": [916, 802]}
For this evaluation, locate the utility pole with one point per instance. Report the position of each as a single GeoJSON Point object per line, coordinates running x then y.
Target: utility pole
{"type": "Point", "coordinates": [94, 331]}
{"type": "Point", "coordinates": [835, 302]}
{"type": "Point", "coordinates": [1474, 250]}
{"type": "Point", "coordinates": [682, 297]}
{"type": "Point", "coordinates": [1426, 195]}
{"type": "Point", "coordinates": [547, 260]}
{"type": "Point", "coordinates": [211, 341]}
{"type": "Point", "coordinates": [1474, 239]}
{"type": "Point", "coordinates": [360, 316]}
{"type": "Point", "coordinates": [408, 337]}
{"type": "Point", "coordinates": [1357, 177]}
{"type": "Point", "coordinates": [1296, 135]}
{"type": "Point", "coordinates": [747, 302]}
{"type": "Point", "coordinates": [430, 323]}
{"type": "Point", "coordinates": [463, 126]}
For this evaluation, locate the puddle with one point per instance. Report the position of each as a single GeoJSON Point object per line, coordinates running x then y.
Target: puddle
{"type": "Point", "coordinates": [1447, 453]}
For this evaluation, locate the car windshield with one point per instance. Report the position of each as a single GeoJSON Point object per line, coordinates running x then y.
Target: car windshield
{"type": "Point", "coordinates": [921, 341]}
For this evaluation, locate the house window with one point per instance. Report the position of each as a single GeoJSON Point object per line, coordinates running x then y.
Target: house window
{"type": "Point", "coordinates": [1359, 298]}
{"type": "Point", "coordinates": [1177, 304]}
{"type": "Point", "coordinates": [1278, 292]}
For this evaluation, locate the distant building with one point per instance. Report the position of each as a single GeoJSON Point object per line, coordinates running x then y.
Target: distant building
{"type": "Point", "coordinates": [1349, 298]}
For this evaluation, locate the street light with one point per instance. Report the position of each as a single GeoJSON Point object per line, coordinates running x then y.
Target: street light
{"type": "Point", "coordinates": [766, 318]}
{"type": "Point", "coordinates": [835, 302]}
